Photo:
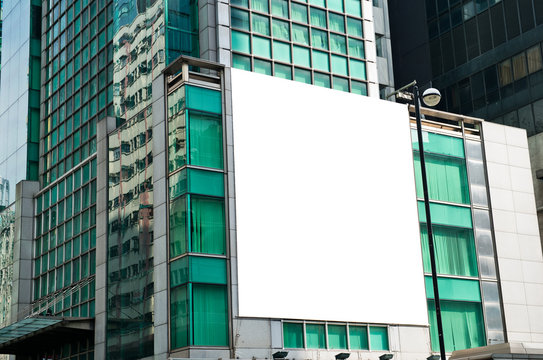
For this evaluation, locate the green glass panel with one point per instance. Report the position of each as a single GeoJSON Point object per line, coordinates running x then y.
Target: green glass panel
{"type": "Point", "coordinates": [208, 226]}
{"type": "Point", "coordinates": [179, 317]}
{"type": "Point", "coordinates": [336, 5]}
{"type": "Point", "coordinates": [302, 75]}
{"type": "Point", "coordinates": [463, 322]}
{"type": "Point", "coordinates": [315, 336]}
{"type": "Point", "coordinates": [319, 39]}
{"type": "Point", "coordinates": [179, 272]}
{"type": "Point", "coordinates": [205, 182]}
{"type": "Point", "coordinates": [338, 44]}
{"type": "Point", "coordinates": [354, 27]}
{"type": "Point", "coordinates": [210, 315]}
{"type": "Point", "coordinates": [454, 289]}
{"type": "Point", "coordinates": [241, 42]}
{"type": "Point", "coordinates": [206, 139]}
{"type": "Point", "coordinates": [439, 144]}
{"type": "Point", "coordinates": [207, 270]}
{"type": "Point", "coordinates": [358, 337]}
{"type": "Point", "coordinates": [301, 56]}
{"type": "Point", "coordinates": [321, 60]}
{"type": "Point", "coordinates": [280, 29]}
{"type": "Point", "coordinates": [178, 226]}
{"type": "Point", "coordinates": [446, 176]}
{"type": "Point", "coordinates": [353, 7]}
{"type": "Point", "coordinates": [336, 22]}
{"type": "Point", "coordinates": [280, 8]}
{"type": "Point", "coordinates": [318, 17]}
{"type": "Point", "coordinates": [204, 99]}
{"type": "Point", "coordinates": [341, 84]}
{"type": "Point", "coordinates": [337, 336]}
{"type": "Point", "coordinates": [178, 184]}
{"type": "Point", "coordinates": [378, 338]}
{"type": "Point", "coordinates": [358, 69]}
{"type": "Point", "coordinates": [261, 47]}
{"type": "Point", "coordinates": [443, 214]}
{"type": "Point", "coordinates": [322, 80]}
{"type": "Point", "coordinates": [243, 3]}
{"type": "Point", "coordinates": [283, 71]}
{"type": "Point", "coordinates": [241, 62]}
{"type": "Point", "coordinates": [281, 51]}
{"type": "Point", "coordinates": [299, 12]}
{"type": "Point", "coordinates": [454, 251]}
{"type": "Point", "coordinates": [339, 65]}
{"type": "Point", "coordinates": [356, 48]}
{"type": "Point", "coordinates": [260, 5]}
{"type": "Point", "coordinates": [261, 24]}
{"type": "Point", "coordinates": [321, 3]}
{"type": "Point", "coordinates": [263, 67]}
{"type": "Point", "coordinates": [300, 34]}
{"type": "Point", "coordinates": [359, 88]}
{"type": "Point", "coordinates": [239, 19]}
{"type": "Point", "coordinates": [293, 336]}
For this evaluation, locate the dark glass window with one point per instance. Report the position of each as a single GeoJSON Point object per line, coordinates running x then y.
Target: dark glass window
{"type": "Point", "coordinates": [491, 84]}
{"type": "Point", "coordinates": [538, 7]}
{"type": "Point", "coordinates": [465, 96]}
{"type": "Point", "coordinates": [485, 37]}
{"type": "Point", "coordinates": [431, 9]}
{"type": "Point", "coordinates": [456, 16]}
{"type": "Point", "coordinates": [498, 24]}
{"type": "Point", "coordinates": [447, 52]}
{"type": "Point", "coordinates": [511, 18]}
{"type": "Point", "coordinates": [442, 5]}
{"type": "Point", "coordinates": [444, 23]}
{"type": "Point", "coordinates": [526, 14]}
{"type": "Point", "coordinates": [459, 42]}
{"type": "Point", "coordinates": [435, 53]}
{"type": "Point", "coordinates": [472, 38]}
{"type": "Point", "coordinates": [478, 90]}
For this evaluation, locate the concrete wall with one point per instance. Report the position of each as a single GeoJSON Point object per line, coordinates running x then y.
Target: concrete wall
{"type": "Point", "coordinates": [518, 245]}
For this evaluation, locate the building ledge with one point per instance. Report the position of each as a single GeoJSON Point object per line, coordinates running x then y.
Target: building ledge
{"type": "Point", "coordinates": [513, 350]}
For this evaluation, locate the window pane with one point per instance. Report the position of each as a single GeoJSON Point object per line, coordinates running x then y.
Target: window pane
{"type": "Point", "coordinates": [339, 65]}
{"type": "Point", "coordinates": [322, 80]}
{"type": "Point", "coordinates": [315, 336]}
{"type": "Point", "coordinates": [281, 51]}
{"type": "Point", "coordinates": [356, 48]}
{"type": "Point", "coordinates": [280, 29]}
{"type": "Point", "coordinates": [207, 270]}
{"type": "Point", "coordinates": [300, 34]}
{"type": "Point", "coordinates": [260, 5]}
{"type": "Point", "coordinates": [337, 22]}
{"type": "Point", "coordinates": [505, 72]}
{"type": "Point", "coordinates": [302, 75]}
{"type": "Point", "coordinates": [354, 27]}
{"type": "Point", "coordinates": [263, 67]}
{"type": "Point", "coordinates": [378, 338]}
{"type": "Point", "coordinates": [534, 59]}
{"type": "Point", "coordinates": [283, 71]}
{"type": "Point", "coordinates": [240, 19]}
{"type": "Point", "coordinates": [336, 5]}
{"type": "Point", "coordinates": [210, 327]}
{"type": "Point", "coordinates": [321, 60]}
{"type": "Point", "coordinates": [353, 7]}
{"type": "Point", "coordinates": [299, 12]}
{"type": "Point", "coordinates": [454, 289]}
{"type": "Point", "coordinates": [358, 337]}
{"type": "Point", "coordinates": [338, 44]}
{"type": "Point", "coordinates": [337, 337]}
{"type": "Point", "coordinates": [293, 335]}
{"type": "Point", "coordinates": [341, 84]}
{"type": "Point", "coordinates": [319, 39]}
{"type": "Point", "coordinates": [241, 62]}
{"type": "Point", "coordinates": [208, 226]}
{"type": "Point", "coordinates": [178, 227]}
{"type": "Point", "coordinates": [318, 17]}
{"type": "Point", "coordinates": [205, 140]}
{"type": "Point", "coordinates": [261, 24]}
{"type": "Point", "coordinates": [358, 69]}
{"type": "Point", "coordinates": [241, 42]}
{"type": "Point", "coordinates": [261, 47]}
{"type": "Point", "coordinates": [447, 215]}
{"type": "Point", "coordinates": [301, 56]}
{"type": "Point", "coordinates": [280, 8]}
{"type": "Point", "coordinates": [439, 144]}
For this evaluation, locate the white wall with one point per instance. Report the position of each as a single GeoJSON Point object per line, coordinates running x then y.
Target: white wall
{"type": "Point", "coordinates": [327, 224]}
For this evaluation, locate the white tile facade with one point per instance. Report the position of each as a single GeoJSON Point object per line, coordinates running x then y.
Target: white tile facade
{"type": "Point", "coordinates": [518, 246]}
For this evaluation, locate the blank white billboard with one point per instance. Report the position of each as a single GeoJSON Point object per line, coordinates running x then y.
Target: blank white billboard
{"type": "Point", "coordinates": [327, 224]}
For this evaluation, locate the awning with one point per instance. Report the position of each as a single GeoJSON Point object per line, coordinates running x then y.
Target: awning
{"type": "Point", "coordinates": [44, 332]}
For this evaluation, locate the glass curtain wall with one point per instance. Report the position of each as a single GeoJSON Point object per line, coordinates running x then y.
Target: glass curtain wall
{"type": "Point", "coordinates": [197, 220]}
{"type": "Point", "coordinates": [455, 228]}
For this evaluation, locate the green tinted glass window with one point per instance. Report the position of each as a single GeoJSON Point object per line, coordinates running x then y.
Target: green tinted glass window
{"type": "Point", "coordinates": [241, 62]}
{"type": "Point", "coordinates": [207, 270]}
{"type": "Point", "coordinates": [301, 56]}
{"type": "Point", "coordinates": [454, 289]}
{"type": "Point", "coordinates": [206, 139]}
{"type": "Point", "coordinates": [337, 22]}
{"type": "Point", "coordinates": [205, 182]}
{"type": "Point", "coordinates": [353, 7]}
{"type": "Point", "coordinates": [299, 12]}
{"type": "Point", "coordinates": [204, 99]}
{"type": "Point", "coordinates": [338, 44]}
{"type": "Point", "coordinates": [339, 65]}
{"type": "Point", "coordinates": [293, 336]}
{"type": "Point", "coordinates": [261, 47]}
{"type": "Point", "coordinates": [302, 75]}
{"type": "Point", "coordinates": [318, 17]}
{"type": "Point", "coordinates": [210, 316]}
{"type": "Point", "coordinates": [283, 71]}
{"type": "Point", "coordinates": [443, 214]}
{"type": "Point", "coordinates": [378, 338]}
{"type": "Point", "coordinates": [358, 337]}
{"type": "Point", "coordinates": [315, 336]}
{"type": "Point", "coordinates": [321, 3]}
{"type": "Point", "coordinates": [359, 88]}
{"type": "Point", "coordinates": [260, 5]}
{"type": "Point", "coordinates": [280, 8]}
{"type": "Point", "coordinates": [178, 227]}
{"type": "Point", "coordinates": [179, 317]}
{"type": "Point", "coordinates": [322, 80]}
{"type": "Point", "coordinates": [208, 226]}
{"type": "Point", "coordinates": [321, 60]}
{"type": "Point", "coordinates": [336, 5]}
{"type": "Point", "coordinates": [341, 84]}
{"type": "Point", "coordinates": [280, 29]}
{"type": "Point", "coordinates": [356, 48]}
{"type": "Point", "coordinates": [261, 24]}
{"type": "Point", "coordinates": [243, 3]}
{"type": "Point", "coordinates": [337, 337]}
{"type": "Point", "coordinates": [281, 51]}
{"type": "Point", "coordinates": [241, 42]}
{"type": "Point", "coordinates": [239, 19]}
{"type": "Point", "coordinates": [358, 69]}
{"type": "Point", "coordinates": [300, 34]}
{"type": "Point", "coordinates": [354, 27]}
{"type": "Point", "coordinates": [439, 144]}
{"type": "Point", "coordinates": [319, 39]}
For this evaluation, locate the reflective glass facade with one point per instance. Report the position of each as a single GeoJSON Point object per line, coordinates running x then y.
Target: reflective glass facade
{"type": "Point", "coordinates": [7, 236]}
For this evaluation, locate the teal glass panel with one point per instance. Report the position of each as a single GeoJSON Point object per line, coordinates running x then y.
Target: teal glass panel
{"type": "Point", "coordinates": [302, 75]}
{"type": "Point", "coordinates": [321, 60]}
{"type": "Point", "coordinates": [280, 8]}
{"type": "Point", "coordinates": [341, 84]}
{"type": "Point", "coordinates": [178, 227]}
{"type": "Point", "coordinates": [281, 51]}
{"type": "Point", "coordinates": [210, 315]}
{"type": "Point", "coordinates": [338, 44]}
{"type": "Point", "coordinates": [454, 251]}
{"type": "Point", "coordinates": [353, 7]}
{"type": "Point", "coordinates": [319, 39]}
{"type": "Point", "coordinates": [321, 3]}
{"type": "Point", "coordinates": [179, 317]}
{"type": "Point", "coordinates": [205, 182]}
{"type": "Point", "coordinates": [337, 337]}
{"type": "Point", "coordinates": [339, 65]}
{"type": "Point", "coordinates": [301, 56]}
{"type": "Point", "coordinates": [239, 19]}
{"type": "Point", "coordinates": [439, 144]}
{"type": "Point", "coordinates": [283, 71]}
{"type": "Point", "coordinates": [443, 214]}
{"type": "Point", "coordinates": [280, 29]}
{"type": "Point", "coordinates": [446, 176]}
{"type": "Point", "coordinates": [241, 62]}
{"type": "Point", "coordinates": [261, 24]}
{"type": "Point", "coordinates": [322, 80]}
{"type": "Point", "coordinates": [378, 338]}
{"type": "Point", "coordinates": [315, 336]}
{"type": "Point", "coordinates": [241, 42]}
{"type": "Point", "coordinates": [260, 5]}
{"type": "Point", "coordinates": [293, 336]}
{"type": "Point", "coordinates": [205, 133]}
{"type": "Point", "coordinates": [354, 27]}
{"type": "Point", "coordinates": [358, 69]}
{"type": "Point", "coordinates": [356, 48]}
{"type": "Point", "coordinates": [179, 272]}
{"type": "Point", "coordinates": [242, 3]}
{"type": "Point", "coordinates": [207, 270]}
{"type": "Point", "coordinates": [300, 34]}
{"type": "Point", "coordinates": [318, 17]}
{"type": "Point", "coordinates": [178, 184]}
{"type": "Point", "coordinates": [359, 88]}
{"type": "Point", "coordinates": [336, 22]}
{"type": "Point", "coordinates": [299, 12]}
{"type": "Point", "coordinates": [261, 47]}
{"type": "Point", "coordinates": [204, 99]}
{"type": "Point", "coordinates": [336, 5]}
{"type": "Point", "coordinates": [454, 289]}
{"type": "Point", "coordinates": [358, 337]}
{"type": "Point", "coordinates": [464, 324]}
{"type": "Point", "coordinates": [208, 226]}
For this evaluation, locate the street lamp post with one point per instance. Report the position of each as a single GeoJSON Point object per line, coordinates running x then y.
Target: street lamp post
{"type": "Point", "coordinates": [430, 97]}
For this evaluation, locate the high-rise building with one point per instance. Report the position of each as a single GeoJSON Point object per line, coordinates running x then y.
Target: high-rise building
{"type": "Point", "coordinates": [184, 207]}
